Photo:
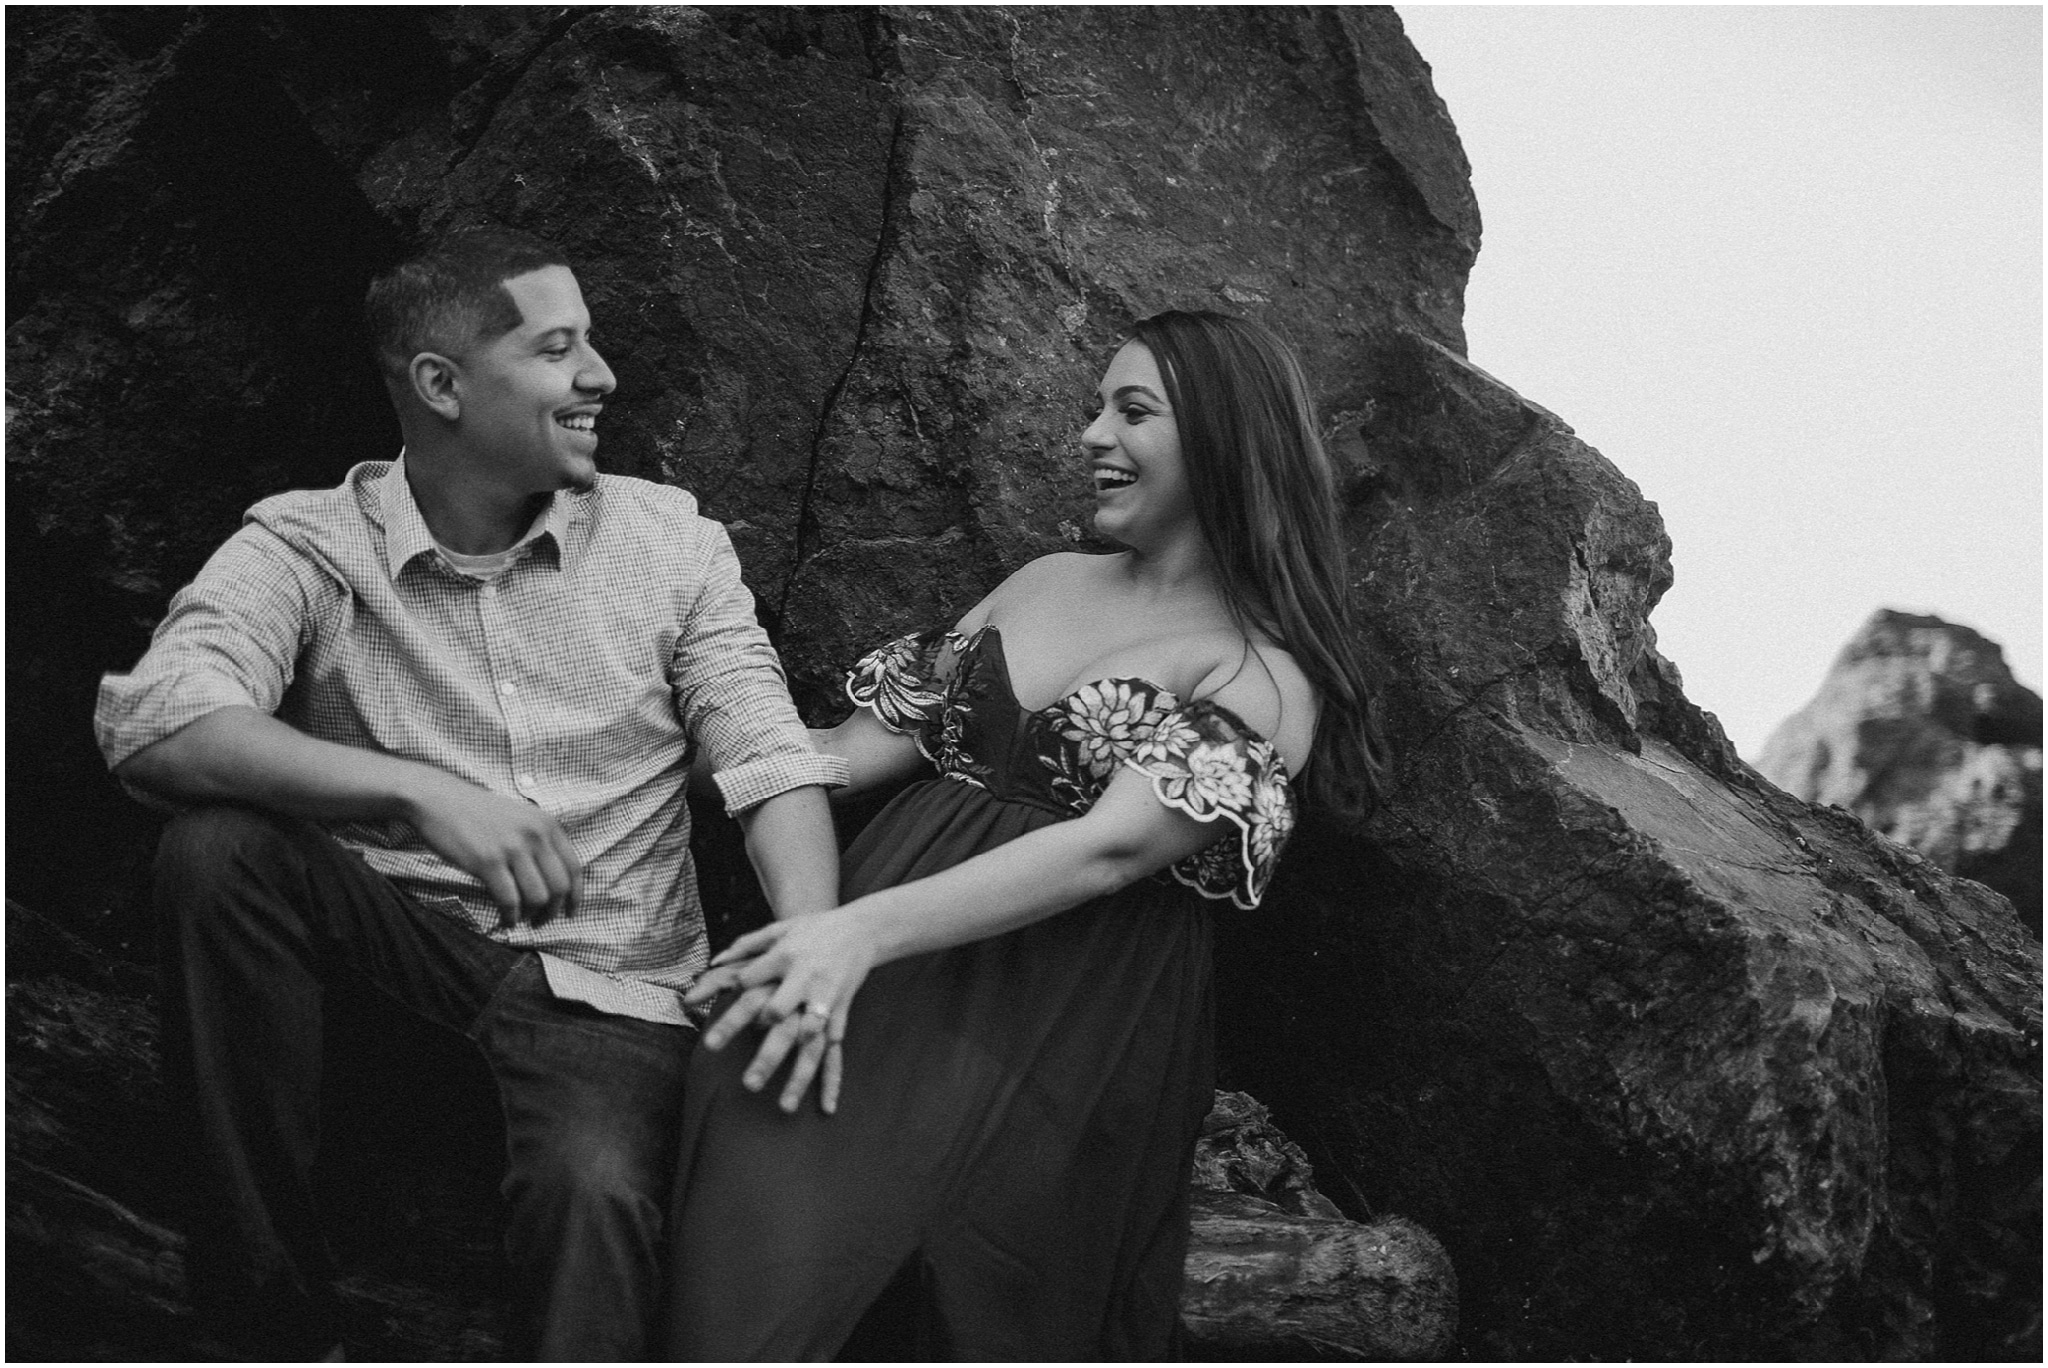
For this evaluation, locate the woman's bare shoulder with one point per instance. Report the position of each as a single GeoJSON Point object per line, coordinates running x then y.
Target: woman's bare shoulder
{"type": "Point", "coordinates": [1062, 568]}
{"type": "Point", "coordinates": [1265, 686]}
{"type": "Point", "coordinates": [1054, 576]}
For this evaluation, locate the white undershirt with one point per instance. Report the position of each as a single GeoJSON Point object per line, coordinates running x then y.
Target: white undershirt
{"type": "Point", "coordinates": [495, 564]}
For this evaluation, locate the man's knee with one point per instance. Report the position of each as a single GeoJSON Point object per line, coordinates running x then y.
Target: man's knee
{"type": "Point", "coordinates": [206, 844]}
{"type": "Point", "coordinates": [578, 1174]}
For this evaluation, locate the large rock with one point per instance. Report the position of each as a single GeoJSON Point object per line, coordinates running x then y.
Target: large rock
{"type": "Point", "coordinates": [854, 270]}
{"type": "Point", "coordinates": [1675, 1064]}
{"type": "Point", "coordinates": [1921, 730]}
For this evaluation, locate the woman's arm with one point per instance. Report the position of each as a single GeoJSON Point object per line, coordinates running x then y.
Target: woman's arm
{"type": "Point", "coordinates": [1127, 835]}
{"type": "Point", "coordinates": [820, 961]}
{"type": "Point", "coordinates": [874, 755]}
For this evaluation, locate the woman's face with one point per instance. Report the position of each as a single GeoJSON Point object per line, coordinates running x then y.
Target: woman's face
{"type": "Point", "coordinates": [1133, 446]}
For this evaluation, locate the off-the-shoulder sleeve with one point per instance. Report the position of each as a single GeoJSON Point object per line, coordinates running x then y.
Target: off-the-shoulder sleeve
{"type": "Point", "coordinates": [1204, 761]}
{"type": "Point", "coordinates": [899, 683]}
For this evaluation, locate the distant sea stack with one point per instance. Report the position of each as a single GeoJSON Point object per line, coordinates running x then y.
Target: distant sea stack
{"type": "Point", "coordinates": [1921, 730]}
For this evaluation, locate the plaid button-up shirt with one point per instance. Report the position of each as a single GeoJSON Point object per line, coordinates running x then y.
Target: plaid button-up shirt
{"type": "Point", "coordinates": [577, 679]}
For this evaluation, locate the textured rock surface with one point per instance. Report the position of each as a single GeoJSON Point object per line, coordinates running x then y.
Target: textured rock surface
{"type": "Point", "coordinates": [1674, 1064]}
{"type": "Point", "coordinates": [1921, 730]}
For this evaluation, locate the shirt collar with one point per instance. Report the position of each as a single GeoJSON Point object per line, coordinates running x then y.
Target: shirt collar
{"type": "Point", "coordinates": [405, 530]}
{"type": "Point", "coordinates": [564, 509]}
{"type": "Point", "coordinates": [405, 527]}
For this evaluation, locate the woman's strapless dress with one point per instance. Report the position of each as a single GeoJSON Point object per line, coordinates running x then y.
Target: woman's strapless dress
{"type": "Point", "coordinates": [1010, 1157]}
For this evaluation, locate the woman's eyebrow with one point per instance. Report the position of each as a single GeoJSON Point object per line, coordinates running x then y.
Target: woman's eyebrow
{"type": "Point", "coordinates": [1123, 390]}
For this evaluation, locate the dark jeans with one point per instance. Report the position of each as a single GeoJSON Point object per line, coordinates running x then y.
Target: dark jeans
{"type": "Point", "coordinates": [256, 911]}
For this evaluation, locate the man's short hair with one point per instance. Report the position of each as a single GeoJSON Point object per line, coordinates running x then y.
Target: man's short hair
{"type": "Point", "coordinates": [451, 295]}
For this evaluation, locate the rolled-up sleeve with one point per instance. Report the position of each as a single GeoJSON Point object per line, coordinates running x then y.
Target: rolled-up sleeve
{"type": "Point", "coordinates": [733, 697]}
{"type": "Point", "coordinates": [231, 639]}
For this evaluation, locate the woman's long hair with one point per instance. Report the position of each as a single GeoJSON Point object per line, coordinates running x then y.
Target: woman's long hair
{"type": "Point", "coordinates": [1265, 498]}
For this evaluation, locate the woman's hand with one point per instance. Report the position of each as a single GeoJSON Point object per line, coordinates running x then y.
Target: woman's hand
{"type": "Point", "coordinates": [798, 977]}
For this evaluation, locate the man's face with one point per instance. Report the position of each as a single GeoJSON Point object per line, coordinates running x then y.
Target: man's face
{"type": "Point", "coordinates": [531, 397]}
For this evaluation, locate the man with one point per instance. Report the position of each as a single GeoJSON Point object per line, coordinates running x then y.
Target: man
{"type": "Point", "coordinates": [433, 727]}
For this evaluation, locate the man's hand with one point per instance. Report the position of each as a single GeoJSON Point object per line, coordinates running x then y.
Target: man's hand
{"type": "Point", "coordinates": [518, 852]}
{"type": "Point", "coordinates": [239, 755]}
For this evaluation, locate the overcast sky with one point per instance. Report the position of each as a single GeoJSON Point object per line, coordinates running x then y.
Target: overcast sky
{"type": "Point", "coordinates": [1783, 267]}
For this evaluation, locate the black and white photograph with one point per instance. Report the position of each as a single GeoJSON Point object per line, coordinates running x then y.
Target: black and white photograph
{"type": "Point", "coordinates": [1024, 683]}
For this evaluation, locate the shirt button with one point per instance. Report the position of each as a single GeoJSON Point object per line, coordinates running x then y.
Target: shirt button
{"type": "Point", "coordinates": [507, 688]}
{"type": "Point", "coordinates": [490, 591]}
{"type": "Point", "coordinates": [526, 781]}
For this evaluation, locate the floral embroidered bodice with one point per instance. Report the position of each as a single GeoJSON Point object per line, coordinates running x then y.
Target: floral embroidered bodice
{"type": "Point", "coordinates": [952, 694]}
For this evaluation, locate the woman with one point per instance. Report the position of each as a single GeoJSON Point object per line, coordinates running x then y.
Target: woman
{"type": "Point", "coordinates": [1024, 1014]}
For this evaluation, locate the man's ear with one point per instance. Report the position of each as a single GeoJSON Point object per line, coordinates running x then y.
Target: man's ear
{"type": "Point", "coordinates": [432, 378]}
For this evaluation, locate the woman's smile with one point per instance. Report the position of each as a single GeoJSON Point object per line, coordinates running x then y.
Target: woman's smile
{"type": "Point", "coordinates": [1109, 478]}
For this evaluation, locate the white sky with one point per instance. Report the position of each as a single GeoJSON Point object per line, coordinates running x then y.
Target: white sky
{"type": "Point", "coordinates": [1783, 267]}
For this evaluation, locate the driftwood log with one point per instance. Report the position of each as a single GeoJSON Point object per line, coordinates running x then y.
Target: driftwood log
{"type": "Point", "coordinates": [1263, 1283]}
{"type": "Point", "coordinates": [96, 1267]}
{"type": "Point", "coordinates": [1275, 1271]}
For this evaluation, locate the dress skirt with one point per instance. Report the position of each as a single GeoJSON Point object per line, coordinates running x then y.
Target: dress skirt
{"type": "Point", "coordinates": [1014, 1135]}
